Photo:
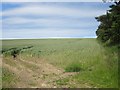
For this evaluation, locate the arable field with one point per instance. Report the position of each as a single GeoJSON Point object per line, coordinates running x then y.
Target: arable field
{"type": "Point", "coordinates": [59, 63]}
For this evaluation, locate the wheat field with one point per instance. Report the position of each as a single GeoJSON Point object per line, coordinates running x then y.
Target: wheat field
{"type": "Point", "coordinates": [59, 63]}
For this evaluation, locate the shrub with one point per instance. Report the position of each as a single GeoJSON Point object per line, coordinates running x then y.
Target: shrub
{"type": "Point", "coordinates": [74, 67]}
{"type": "Point", "coordinates": [15, 52]}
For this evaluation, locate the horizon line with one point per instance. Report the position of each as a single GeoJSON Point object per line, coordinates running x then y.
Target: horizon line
{"type": "Point", "coordinates": [46, 38]}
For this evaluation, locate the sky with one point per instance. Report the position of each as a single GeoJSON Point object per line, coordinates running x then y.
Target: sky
{"type": "Point", "coordinates": [24, 20]}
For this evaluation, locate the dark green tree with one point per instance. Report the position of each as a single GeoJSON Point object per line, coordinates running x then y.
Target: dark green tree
{"type": "Point", "coordinates": [108, 31]}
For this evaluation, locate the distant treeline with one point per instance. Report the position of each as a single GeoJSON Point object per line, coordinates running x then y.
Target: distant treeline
{"type": "Point", "coordinates": [108, 31]}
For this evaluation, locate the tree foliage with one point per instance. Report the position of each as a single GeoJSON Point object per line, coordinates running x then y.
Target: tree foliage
{"type": "Point", "coordinates": [108, 31]}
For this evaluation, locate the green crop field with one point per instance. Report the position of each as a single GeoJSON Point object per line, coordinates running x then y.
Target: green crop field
{"type": "Point", "coordinates": [74, 63]}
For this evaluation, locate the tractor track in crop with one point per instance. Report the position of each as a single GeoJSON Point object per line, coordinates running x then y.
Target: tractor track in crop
{"type": "Point", "coordinates": [39, 74]}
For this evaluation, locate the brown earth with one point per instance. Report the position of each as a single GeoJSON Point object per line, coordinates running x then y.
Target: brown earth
{"type": "Point", "coordinates": [38, 74]}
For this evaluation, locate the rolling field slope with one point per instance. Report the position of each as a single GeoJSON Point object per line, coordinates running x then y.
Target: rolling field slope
{"type": "Point", "coordinates": [46, 63]}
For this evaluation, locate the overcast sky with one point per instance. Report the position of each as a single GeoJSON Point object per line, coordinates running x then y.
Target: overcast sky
{"type": "Point", "coordinates": [50, 20]}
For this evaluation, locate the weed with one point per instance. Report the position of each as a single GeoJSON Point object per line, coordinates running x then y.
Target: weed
{"type": "Point", "coordinates": [74, 67]}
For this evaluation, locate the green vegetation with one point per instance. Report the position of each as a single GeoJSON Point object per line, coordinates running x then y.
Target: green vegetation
{"type": "Point", "coordinates": [74, 67]}
{"type": "Point", "coordinates": [14, 51]}
{"type": "Point", "coordinates": [56, 61]}
{"type": "Point", "coordinates": [108, 31]}
{"type": "Point", "coordinates": [8, 78]}
{"type": "Point", "coordinates": [97, 65]}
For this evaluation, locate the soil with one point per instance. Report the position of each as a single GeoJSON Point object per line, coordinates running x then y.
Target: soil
{"type": "Point", "coordinates": [38, 74]}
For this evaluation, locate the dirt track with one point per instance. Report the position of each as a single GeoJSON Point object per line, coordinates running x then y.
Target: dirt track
{"type": "Point", "coordinates": [37, 74]}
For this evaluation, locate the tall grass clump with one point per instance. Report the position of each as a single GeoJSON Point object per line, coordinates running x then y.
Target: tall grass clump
{"type": "Point", "coordinates": [74, 67]}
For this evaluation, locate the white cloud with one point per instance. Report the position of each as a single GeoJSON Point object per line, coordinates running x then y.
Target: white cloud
{"type": "Point", "coordinates": [47, 22]}
{"type": "Point", "coordinates": [51, 0]}
{"type": "Point", "coordinates": [16, 20]}
{"type": "Point", "coordinates": [1, 13]}
{"type": "Point", "coordinates": [52, 10]}
{"type": "Point", "coordinates": [17, 17]}
{"type": "Point", "coordinates": [45, 33]}
{"type": "Point", "coordinates": [19, 20]}
{"type": "Point", "coordinates": [0, 28]}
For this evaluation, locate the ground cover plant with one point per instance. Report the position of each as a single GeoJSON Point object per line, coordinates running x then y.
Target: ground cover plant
{"type": "Point", "coordinates": [60, 63]}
